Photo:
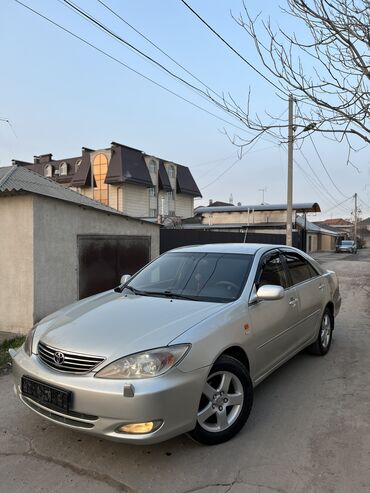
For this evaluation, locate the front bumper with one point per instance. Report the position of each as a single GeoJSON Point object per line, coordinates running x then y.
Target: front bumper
{"type": "Point", "coordinates": [99, 406]}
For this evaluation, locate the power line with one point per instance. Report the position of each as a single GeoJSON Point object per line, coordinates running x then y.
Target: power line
{"type": "Point", "coordinates": [237, 160]}
{"type": "Point", "coordinates": [316, 176]}
{"type": "Point", "coordinates": [232, 48]}
{"type": "Point", "coordinates": [82, 13]}
{"type": "Point", "coordinates": [158, 48]}
{"type": "Point", "coordinates": [335, 206]}
{"type": "Point", "coordinates": [80, 38]}
{"type": "Point", "coordinates": [321, 160]}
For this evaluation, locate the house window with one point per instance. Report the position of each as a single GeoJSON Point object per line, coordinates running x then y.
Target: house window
{"type": "Point", "coordinates": [63, 169]}
{"type": "Point", "coordinates": [152, 166]}
{"type": "Point", "coordinates": [152, 192]}
{"type": "Point", "coordinates": [100, 167]}
{"type": "Point", "coordinates": [171, 171]}
{"type": "Point", "coordinates": [152, 212]}
{"type": "Point", "coordinates": [48, 171]}
{"type": "Point", "coordinates": [171, 195]}
{"type": "Point", "coordinates": [171, 213]}
{"type": "Point", "coordinates": [77, 165]}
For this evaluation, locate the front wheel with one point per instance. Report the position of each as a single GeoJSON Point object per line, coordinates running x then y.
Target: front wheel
{"type": "Point", "coordinates": [225, 403]}
{"type": "Point", "coordinates": [323, 342]}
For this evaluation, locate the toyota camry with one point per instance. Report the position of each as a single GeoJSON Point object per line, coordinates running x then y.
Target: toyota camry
{"type": "Point", "coordinates": [179, 346]}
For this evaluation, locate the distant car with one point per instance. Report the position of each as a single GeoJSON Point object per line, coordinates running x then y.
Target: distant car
{"type": "Point", "coordinates": [346, 246]}
{"type": "Point", "coordinates": [180, 346]}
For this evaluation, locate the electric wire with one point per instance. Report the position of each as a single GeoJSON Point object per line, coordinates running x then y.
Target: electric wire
{"type": "Point", "coordinates": [111, 57]}
{"type": "Point", "coordinates": [200, 92]}
{"type": "Point", "coordinates": [251, 146]}
{"type": "Point", "coordinates": [321, 160]}
{"type": "Point", "coordinates": [232, 48]}
{"type": "Point", "coordinates": [158, 48]}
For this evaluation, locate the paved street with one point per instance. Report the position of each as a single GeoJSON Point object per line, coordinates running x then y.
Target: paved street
{"type": "Point", "coordinates": [309, 430]}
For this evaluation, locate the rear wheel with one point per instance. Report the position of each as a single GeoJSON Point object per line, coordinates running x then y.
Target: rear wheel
{"type": "Point", "coordinates": [225, 403]}
{"type": "Point", "coordinates": [323, 342]}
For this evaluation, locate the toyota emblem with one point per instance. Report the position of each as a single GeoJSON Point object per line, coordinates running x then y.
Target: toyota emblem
{"type": "Point", "coordinates": [59, 358]}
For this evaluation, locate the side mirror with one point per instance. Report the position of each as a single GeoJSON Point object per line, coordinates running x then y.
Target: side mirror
{"type": "Point", "coordinates": [270, 292]}
{"type": "Point", "coordinates": [125, 278]}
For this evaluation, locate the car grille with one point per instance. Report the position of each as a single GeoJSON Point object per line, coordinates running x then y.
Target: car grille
{"type": "Point", "coordinates": [67, 361]}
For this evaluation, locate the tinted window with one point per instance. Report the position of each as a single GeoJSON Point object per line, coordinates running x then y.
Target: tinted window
{"type": "Point", "coordinates": [273, 273]}
{"type": "Point", "coordinates": [300, 269]}
{"type": "Point", "coordinates": [203, 276]}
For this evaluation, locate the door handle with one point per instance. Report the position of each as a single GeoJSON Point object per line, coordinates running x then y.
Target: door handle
{"type": "Point", "coordinates": [293, 301]}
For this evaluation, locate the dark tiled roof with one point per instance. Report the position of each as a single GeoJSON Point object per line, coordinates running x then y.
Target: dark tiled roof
{"type": "Point", "coordinates": [19, 179]}
{"type": "Point", "coordinates": [128, 165]}
{"type": "Point", "coordinates": [185, 182]}
{"type": "Point", "coordinates": [163, 180]}
{"type": "Point", "coordinates": [82, 177]}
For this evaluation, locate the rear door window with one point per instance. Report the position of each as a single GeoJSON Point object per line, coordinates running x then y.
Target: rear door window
{"type": "Point", "coordinates": [299, 268]}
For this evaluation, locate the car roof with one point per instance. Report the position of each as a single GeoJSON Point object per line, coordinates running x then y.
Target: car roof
{"type": "Point", "coordinates": [246, 248]}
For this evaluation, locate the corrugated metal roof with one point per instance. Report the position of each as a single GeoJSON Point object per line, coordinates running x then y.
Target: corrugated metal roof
{"type": "Point", "coordinates": [298, 207]}
{"type": "Point", "coordinates": [19, 179]}
{"type": "Point", "coordinates": [315, 228]}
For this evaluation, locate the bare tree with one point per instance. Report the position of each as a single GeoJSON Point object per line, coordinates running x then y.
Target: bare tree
{"type": "Point", "coordinates": [326, 68]}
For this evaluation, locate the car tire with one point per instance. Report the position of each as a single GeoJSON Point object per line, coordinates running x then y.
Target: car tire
{"type": "Point", "coordinates": [217, 419]}
{"type": "Point", "coordinates": [323, 342]}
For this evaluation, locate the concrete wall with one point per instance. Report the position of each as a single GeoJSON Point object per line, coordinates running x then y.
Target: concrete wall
{"type": "Point", "coordinates": [16, 263]}
{"type": "Point", "coordinates": [135, 200]}
{"type": "Point", "coordinates": [56, 226]}
{"type": "Point", "coordinates": [245, 218]}
{"type": "Point", "coordinates": [184, 205]}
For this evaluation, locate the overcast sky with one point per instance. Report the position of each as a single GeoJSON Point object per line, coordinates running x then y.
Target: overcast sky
{"type": "Point", "coordinates": [60, 94]}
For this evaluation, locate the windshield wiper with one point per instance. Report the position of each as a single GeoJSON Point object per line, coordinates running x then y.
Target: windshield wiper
{"type": "Point", "coordinates": [138, 292]}
{"type": "Point", "coordinates": [170, 294]}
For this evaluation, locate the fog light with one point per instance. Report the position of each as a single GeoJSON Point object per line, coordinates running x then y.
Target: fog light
{"type": "Point", "coordinates": [140, 428]}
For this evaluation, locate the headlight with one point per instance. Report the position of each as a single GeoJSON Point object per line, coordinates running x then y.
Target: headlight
{"type": "Point", "coordinates": [28, 342]}
{"type": "Point", "coordinates": [145, 365]}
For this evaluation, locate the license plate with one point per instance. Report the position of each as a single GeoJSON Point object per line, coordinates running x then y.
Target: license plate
{"type": "Point", "coordinates": [46, 394]}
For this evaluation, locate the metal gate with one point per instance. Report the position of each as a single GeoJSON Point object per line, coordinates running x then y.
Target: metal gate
{"type": "Point", "coordinates": [174, 238]}
{"type": "Point", "coordinates": [103, 259]}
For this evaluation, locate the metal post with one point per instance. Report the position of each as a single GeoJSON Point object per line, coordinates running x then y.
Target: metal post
{"type": "Point", "coordinates": [355, 228]}
{"type": "Point", "coordinates": [289, 212]}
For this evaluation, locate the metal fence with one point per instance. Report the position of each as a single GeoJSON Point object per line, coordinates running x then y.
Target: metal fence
{"type": "Point", "coordinates": [174, 238]}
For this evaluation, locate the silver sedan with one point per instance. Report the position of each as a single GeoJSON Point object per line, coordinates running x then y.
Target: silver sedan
{"type": "Point", "coordinates": [180, 346]}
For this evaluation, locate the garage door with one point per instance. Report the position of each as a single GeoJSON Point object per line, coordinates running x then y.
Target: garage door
{"type": "Point", "coordinates": [103, 259]}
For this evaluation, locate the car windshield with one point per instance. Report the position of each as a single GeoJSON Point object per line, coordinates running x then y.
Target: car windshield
{"type": "Point", "coordinates": [215, 277]}
{"type": "Point", "coordinates": [347, 243]}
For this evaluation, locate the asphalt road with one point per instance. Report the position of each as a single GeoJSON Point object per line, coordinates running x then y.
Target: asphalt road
{"type": "Point", "coordinates": [309, 430]}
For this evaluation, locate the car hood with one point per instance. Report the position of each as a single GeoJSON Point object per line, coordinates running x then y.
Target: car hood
{"type": "Point", "coordinates": [112, 324]}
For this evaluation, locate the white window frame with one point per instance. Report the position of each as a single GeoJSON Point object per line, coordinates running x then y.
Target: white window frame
{"type": "Point", "coordinates": [63, 169]}
{"type": "Point", "coordinates": [152, 212]}
{"type": "Point", "coordinates": [171, 171]}
{"type": "Point", "coordinates": [48, 171]}
{"type": "Point", "coordinates": [152, 166]}
{"type": "Point", "coordinates": [152, 192]}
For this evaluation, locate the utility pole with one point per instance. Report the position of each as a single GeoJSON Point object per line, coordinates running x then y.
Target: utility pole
{"type": "Point", "coordinates": [289, 212]}
{"type": "Point", "coordinates": [355, 226]}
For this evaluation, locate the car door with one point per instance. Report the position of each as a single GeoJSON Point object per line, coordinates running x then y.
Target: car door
{"type": "Point", "coordinates": [310, 288]}
{"type": "Point", "coordinates": [272, 321]}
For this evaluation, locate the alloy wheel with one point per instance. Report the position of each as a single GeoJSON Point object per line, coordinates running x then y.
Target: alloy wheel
{"type": "Point", "coordinates": [221, 402]}
{"type": "Point", "coordinates": [325, 331]}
